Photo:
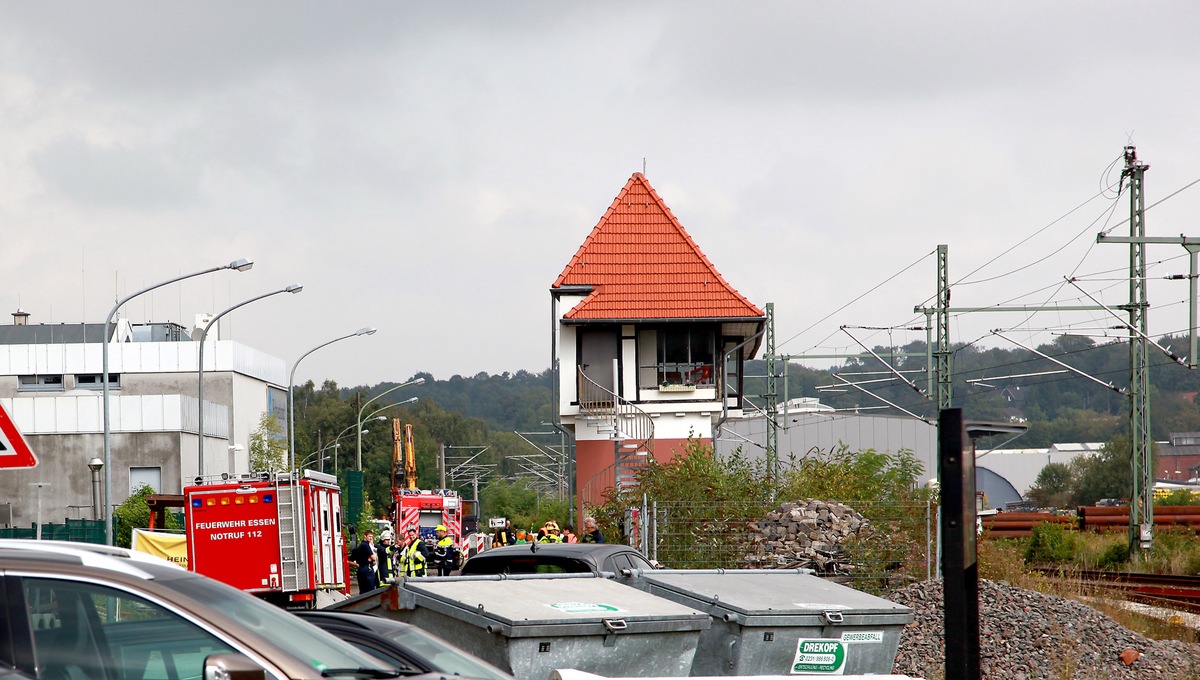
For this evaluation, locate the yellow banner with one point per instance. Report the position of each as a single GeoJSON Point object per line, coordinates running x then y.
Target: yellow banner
{"type": "Point", "coordinates": [168, 546]}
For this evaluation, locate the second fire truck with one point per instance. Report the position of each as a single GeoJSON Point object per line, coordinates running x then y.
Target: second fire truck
{"type": "Point", "coordinates": [411, 506]}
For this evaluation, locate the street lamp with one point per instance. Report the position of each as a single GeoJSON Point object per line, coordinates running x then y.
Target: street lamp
{"type": "Point", "coordinates": [294, 288]}
{"type": "Point", "coordinates": [358, 448]}
{"type": "Point", "coordinates": [346, 431]}
{"type": "Point", "coordinates": [291, 397]}
{"type": "Point", "coordinates": [237, 265]}
{"type": "Point", "coordinates": [95, 465]}
{"type": "Point", "coordinates": [313, 458]}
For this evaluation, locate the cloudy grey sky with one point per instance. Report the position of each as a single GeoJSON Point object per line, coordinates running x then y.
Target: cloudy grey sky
{"type": "Point", "coordinates": [430, 168]}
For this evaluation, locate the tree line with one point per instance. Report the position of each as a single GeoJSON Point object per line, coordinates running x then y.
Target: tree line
{"type": "Point", "coordinates": [487, 410]}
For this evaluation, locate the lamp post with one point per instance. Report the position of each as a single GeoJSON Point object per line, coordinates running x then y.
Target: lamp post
{"type": "Point", "coordinates": [95, 465]}
{"type": "Point", "coordinates": [294, 288]}
{"type": "Point", "coordinates": [337, 444]}
{"type": "Point", "coordinates": [291, 396]}
{"type": "Point", "coordinates": [40, 486]}
{"type": "Point", "coordinates": [313, 458]}
{"type": "Point", "coordinates": [237, 265]}
{"type": "Point", "coordinates": [358, 448]}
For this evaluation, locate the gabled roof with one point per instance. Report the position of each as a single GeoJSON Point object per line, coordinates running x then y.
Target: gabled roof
{"type": "Point", "coordinates": [641, 264]}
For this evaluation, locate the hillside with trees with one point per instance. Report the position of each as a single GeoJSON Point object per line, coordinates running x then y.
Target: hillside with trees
{"type": "Point", "coordinates": [483, 413]}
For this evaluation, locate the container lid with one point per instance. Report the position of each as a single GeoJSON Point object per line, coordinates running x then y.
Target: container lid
{"type": "Point", "coordinates": [759, 593]}
{"type": "Point", "coordinates": [577, 606]}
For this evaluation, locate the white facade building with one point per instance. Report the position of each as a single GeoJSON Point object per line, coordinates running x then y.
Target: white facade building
{"type": "Point", "coordinates": [50, 384]}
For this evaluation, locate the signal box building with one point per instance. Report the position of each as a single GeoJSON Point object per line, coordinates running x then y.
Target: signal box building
{"type": "Point", "coordinates": [649, 342]}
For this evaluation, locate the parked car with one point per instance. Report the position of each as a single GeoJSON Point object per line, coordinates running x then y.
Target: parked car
{"type": "Point", "coordinates": [76, 610]}
{"type": "Point", "coordinates": [556, 558]}
{"type": "Point", "coordinates": [402, 646]}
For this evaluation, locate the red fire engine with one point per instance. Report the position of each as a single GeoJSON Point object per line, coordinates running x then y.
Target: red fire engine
{"type": "Point", "coordinates": [416, 507]}
{"type": "Point", "coordinates": [427, 509]}
{"type": "Point", "coordinates": [276, 536]}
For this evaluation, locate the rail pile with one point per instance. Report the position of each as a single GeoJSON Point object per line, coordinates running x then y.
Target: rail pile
{"type": "Point", "coordinates": [1020, 524]}
{"type": "Point", "coordinates": [1087, 518]}
{"type": "Point", "coordinates": [1117, 518]}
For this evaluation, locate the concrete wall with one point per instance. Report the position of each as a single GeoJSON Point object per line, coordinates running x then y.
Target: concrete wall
{"type": "Point", "coordinates": [62, 462]}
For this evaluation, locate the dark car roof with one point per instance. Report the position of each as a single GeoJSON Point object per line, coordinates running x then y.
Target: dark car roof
{"type": "Point", "coordinates": [399, 638]}
{"type": "Point", "coordinates": [361, 620]}
{"type": "Point", "coordinates": [593, 555]}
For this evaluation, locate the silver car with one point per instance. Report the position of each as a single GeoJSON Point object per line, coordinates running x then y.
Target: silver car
{"type": "Point", "coordinates": [73, 611]}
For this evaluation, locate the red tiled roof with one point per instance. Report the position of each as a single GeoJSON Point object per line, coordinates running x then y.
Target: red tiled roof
{"type": "Point", "coordinates": [642, 264]}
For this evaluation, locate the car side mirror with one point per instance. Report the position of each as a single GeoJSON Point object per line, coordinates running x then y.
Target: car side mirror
{"type": "Point", "coordinates": [232, 667]}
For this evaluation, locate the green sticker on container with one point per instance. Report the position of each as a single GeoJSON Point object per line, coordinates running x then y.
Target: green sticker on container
{"type": "Point", "coordinates": [585, 607]}
{"type": "Point", "coordinates": [820, 656]}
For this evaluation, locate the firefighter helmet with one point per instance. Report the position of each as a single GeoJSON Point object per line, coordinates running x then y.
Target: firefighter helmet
{"type": "Point", "coordinates": [441, 527]}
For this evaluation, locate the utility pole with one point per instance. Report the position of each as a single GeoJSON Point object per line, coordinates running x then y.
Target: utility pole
{"type": "Point", "coordinates": [772, 399]}
{"type": "Point", "coordinates": [942, 353]}
{"type": "Point", "coordinates": [1141, 502]}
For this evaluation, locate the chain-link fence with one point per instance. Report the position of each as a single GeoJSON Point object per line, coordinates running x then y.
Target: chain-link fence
{"type": "Point", "coordinates": [873, 546]}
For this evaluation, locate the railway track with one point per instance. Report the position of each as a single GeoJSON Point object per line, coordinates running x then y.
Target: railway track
{"type": "Point", "coordinates": [1173, 591]}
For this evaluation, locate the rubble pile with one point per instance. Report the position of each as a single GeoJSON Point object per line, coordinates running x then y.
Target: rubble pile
{"type": "Point", "coordinates": [806, 535]}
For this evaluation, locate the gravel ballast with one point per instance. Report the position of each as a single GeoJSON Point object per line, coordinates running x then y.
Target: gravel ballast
{"type": "Point", "coordinates": [1025, 634]}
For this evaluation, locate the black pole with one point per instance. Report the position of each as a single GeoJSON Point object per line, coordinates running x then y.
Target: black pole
{"type": "Point", "coordinates": [960, 574]}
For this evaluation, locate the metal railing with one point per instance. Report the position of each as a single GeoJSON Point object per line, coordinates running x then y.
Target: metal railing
{"type": "Point", "coordinates": [631, 428]}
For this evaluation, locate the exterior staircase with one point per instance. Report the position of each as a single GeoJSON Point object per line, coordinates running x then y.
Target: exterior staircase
{"type": "Point", "coordinates": [630, 428]}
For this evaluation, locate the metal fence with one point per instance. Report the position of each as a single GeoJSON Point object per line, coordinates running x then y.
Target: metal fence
{"type": "Point", "coordinates": [893, 545]}
{"type": "Point", "coordinates": [77, 530]}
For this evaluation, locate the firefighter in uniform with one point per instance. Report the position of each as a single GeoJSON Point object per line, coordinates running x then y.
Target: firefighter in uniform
{"type": "Point", "coordinates": [549, 533]}
{"type": "Point", "coordinates": [445, 554]}
{"type": "Point", "coordinates": [504, 536]}
{"type": "Point", "coordinates": [364, 558]}
{"type": "Point", "coordinates": [386, 558]}
{"type": "Point", "coordinates": [413, 555]}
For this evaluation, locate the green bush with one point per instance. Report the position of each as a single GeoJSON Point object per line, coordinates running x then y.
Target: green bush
{"type": "Point", "coordinates": [1050, 543]}
{"type": "Point", "coordinates": [1114, 556]}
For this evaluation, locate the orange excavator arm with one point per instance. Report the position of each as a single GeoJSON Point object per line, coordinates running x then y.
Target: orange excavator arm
{"type": "Point", "coordinates": [410, 458]}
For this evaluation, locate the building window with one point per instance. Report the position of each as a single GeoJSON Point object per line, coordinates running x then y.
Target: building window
{"type": "Point", "coordinates": [145, 476]}
{"type": "Point", "coordinates": [95, 381]}
{"type": "Point", "coordinates": [40, 383]}
{"type": "Point", "coordinates": [684, 355]}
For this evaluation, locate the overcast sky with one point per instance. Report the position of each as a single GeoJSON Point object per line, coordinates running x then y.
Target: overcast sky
{"type": "Point", "coordinates": [430, 168]}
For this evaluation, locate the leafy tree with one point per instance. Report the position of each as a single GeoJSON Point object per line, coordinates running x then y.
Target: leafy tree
{"type": "Point", "coordinates": [1052, 489]}
{"type": "Point", "coordinates": [268, 446]}
{"type": "Point", "coordinates": [134, 513]}
{"type": "Point", "coordinates": [1104, 475]}
{"type": "Point", "coordinates": [854, 476]}
{"type": "Point", "coordinates": [524, 506]}
{"type": "Point", "coordinates": [707, 500]}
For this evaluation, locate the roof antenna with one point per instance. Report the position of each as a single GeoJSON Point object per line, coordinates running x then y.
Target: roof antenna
{"type": "Point", "coordinates": [643, 165]}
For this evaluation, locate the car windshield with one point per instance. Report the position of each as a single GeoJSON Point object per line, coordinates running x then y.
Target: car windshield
{"type": "Point", "coordinates": [525, 564]}
{"type": "Point", "coordinates": [298, 638]}
{"type": "Point", "coordinates": [446, 658]}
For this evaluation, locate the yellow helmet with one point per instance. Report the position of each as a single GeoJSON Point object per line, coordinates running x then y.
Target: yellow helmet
{"type": "Point", "coordinates": [550, 526]}
{"type": "Point", "coordinates": [441, 527]}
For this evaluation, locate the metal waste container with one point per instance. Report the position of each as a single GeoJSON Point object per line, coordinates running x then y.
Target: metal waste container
{"type": "Point", "coordinates": [768, 622]}
{"type": "Point", "coordinates": [530, 625]}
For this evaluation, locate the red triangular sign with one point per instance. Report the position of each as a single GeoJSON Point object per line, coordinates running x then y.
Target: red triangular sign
{"type": "Point", "coordinates": [14, 451]}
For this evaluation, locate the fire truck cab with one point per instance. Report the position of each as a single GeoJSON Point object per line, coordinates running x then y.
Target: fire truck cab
{"type": "Point", "coordinates": [426, 509]}
{"type": "Point", "coordinates": [276, 535]}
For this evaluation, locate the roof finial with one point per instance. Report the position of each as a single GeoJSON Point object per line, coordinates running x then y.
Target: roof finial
{"type": "Point", "coordinates": [643, 165]}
